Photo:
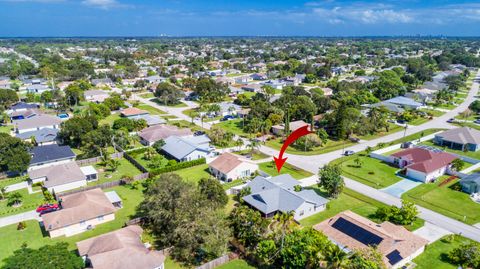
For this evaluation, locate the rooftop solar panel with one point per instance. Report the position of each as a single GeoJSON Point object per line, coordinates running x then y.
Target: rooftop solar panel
{"type": "Point", "coordinates": [357, 232]}
{"type": "Point", "coordinates": [394, 257]}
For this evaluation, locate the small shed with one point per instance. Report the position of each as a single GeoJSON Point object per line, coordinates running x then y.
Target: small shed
{"type": "Point", "coordinates": [114, 199]}
{"type": "Point", "coordinates": [90, 173]}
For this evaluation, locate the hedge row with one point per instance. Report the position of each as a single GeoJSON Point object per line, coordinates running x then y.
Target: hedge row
{"type": "Point", "coordinates": [178, 166]}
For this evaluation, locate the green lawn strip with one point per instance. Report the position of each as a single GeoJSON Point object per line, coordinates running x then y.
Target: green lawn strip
{"type": "Point", "coordinates": [354, 201]}
{"type": "Point", "coordinates": [331, 145]}
{"type": "Point", "coordinates": [435, 254]}
{"type": "Point", "coordinates": [393, 128]}
{"type": "Point", "coordinates": [12, 180]}
{"type": "Point", "coordinates": [152, 110]}
{"type": "Point", "coordinates": [418, 121]}
{"type": "Point", "coordinates": [29, 202]}
{"type": "Point", "coordinates": [372, 172]}
{"type": "Point", "coordinates": [125, 169]}
{"type": "Point", "coordinates": [470, 118]}
{"type": "Point", "coordinates": [234, 126]}
{"type": "Point", "coordinates": [35, 238]}
{"type": "Point", "coordinates": [147, 95]}
{"type": "Point", "coordinates": [236, 264]}
{"type": "Point", "coordinates": [433, 112]}
{"type": "Point", "coordinates": [257, 155]}
{"type": "Point", "coordinates": [445, 200]}
{"type": "Point", "coordinates": [295, 172]}
{"type": "Point", "coordinates": [179, 104]}
{"type": "Point", "coordinates": [467, 124]}
{"type": "Point", "coordinates": [471, 154]}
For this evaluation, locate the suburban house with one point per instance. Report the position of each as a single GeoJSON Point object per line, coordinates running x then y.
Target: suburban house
{"type": "Point", "coordinates": [155, 133]}
{"type": "Point", "coordinates": [187, 148]}
{"type": "Point", "coordinates": [471, 183]}
{"type": "Point", "coordinates": [259, 76]}
{"type": "Point", "coordinates": [48, 155]}
{"type": "Point", "coordinates": [155, 79]}
{"type": "Point", "coordinates": [294, 125]}
{"type": "Point", "coordinates": [252, 87]}
{"type": "Point", "coordinates": [102, 82]}
{"type": "Point", "coordinates": [120, 249]}
{"type": "Point", "coordinates": [22, 106]}
{"type": "Point", "coordinates": [280, 194]}
{"type": "Point", "coordinates": [243, 79]}
{"type": "Point", "coordinates": [80, 212]}
{"type": "Point", "coordinates": [350, 232]}
{"type": "Point", "coordinates": [278, 85]}
{"type": "Point", "coordinates": [22, 114]}
{"type": "Point", "coordinates": [37, 123]}
{"type": "Point", "coordinates": [38, 88]}
{"type": "Point", "coordinates": [97, 96]}
{"type": "Point", "coordinates": [421, 164]}
{"type": "Point", "coordinates": [132, 112]}
{"type": "Point", "coordinates": [151, 120]}
{"type": "Point", "coordinates": [63, 177]}
{"type": "Point", "coordinates": [229, 167]}
{"type": "Point", "coordinates": [404, 102]}
{"type": "Point", "coordinates": [42, 137]}
{"type": "Point", "coordinates": [464, 138]}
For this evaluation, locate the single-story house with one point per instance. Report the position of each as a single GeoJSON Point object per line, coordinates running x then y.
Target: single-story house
{"type": "Point", "coordinates": [42, 137]}
{"type": "Point", "coordinates": [471, 183]}
{"type": "Point", "coordinates": [187, 148]}
{"type": "Point", "coordinates": [155, 79]}
{"type": "Point", "coordinates": [62, 177]}
{"type": "Point", "coordinates": [155, 133]}
{"type": "Point", "coordinates": [280, 194]}
{"type": "Point", "coordinates": [48, 155]}
{"type": "Point", "coordinates": [79, 212]}
{"type": "Point", "coordinates": [259, 76]}
{"type": "Point", "coordinates": [36, 123]}
{"type": "Point", "coordinates": [132, 112]}
{"type": "Point", "coordinates": [464, 138]}
{"type": "Point", "coordinates": [278, 85]}
{"type": "Point", "coordinates": [97, 96]}
{"type": "Point", "coordinates": [404, 102]}
{"type": "Point", "coordinates": [294, 125]}
{"type": "Point", "coordinates": [101, 82]}
{"type": "Point", "coordinates": [22, 106]}
{"type": "Point", "coordinates": [422, 164]}
{"type": "Point", "coordinates": [120, 249]}
{"type": "Point", "coordinates": [229, 167]}
{"type": "Point", "coordinates": [38, 88]}
{"type": "Point", "coordinates": [351, 232]}
{"type": "Point", "coordinates": [252, 88]}
{"type": "Point", "coordinates": [151, 120]}
{"type": "Point", "coordinates": [243, 79]}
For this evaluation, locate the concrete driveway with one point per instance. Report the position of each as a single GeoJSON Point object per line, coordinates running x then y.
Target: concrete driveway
{"type": "Point", "coordinates": [431, 232]}
{"type": "Point", "coordinates": [401, 187]}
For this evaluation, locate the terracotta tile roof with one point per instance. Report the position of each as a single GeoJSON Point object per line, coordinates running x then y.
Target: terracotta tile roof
{"type": "Point", "coordinates": [424, 160]}
{"type": "Point", "coordinates": [132, 111]}
{"type": "Point", "coordinates": [226, 162]}
{"type": "Point", "coordinates": [79, 207]}
{"type": "Point", "coordinates": [389, 238]}
{"type": "Point", "coordinates": [120, 249]}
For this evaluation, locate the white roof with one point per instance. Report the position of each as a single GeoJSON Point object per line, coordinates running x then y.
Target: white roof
{"type": "Point", "coordinates": [113, 197]}
{"type": "Point", "coordinates": [88, 170]}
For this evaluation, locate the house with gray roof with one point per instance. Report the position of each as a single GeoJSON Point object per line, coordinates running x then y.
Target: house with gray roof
{"type": "Point", "coordinates": [280, 194]}
{"type": "Point", "coordinates": [50, 155]}
{"type": "Point", "coordinates": [471, 183]}
{"type": "Point", "coordinates": [188, 148]}
{"type": "Point", "coordinates": [42, 137]}
{"type": "Point", "coordinates": [464, 138]}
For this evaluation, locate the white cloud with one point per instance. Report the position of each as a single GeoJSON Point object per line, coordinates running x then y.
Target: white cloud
{"type": "Point", "coordinates": [103, 4]}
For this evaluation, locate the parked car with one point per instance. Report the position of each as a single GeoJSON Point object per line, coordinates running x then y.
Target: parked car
{"type": "Point", "coordinates": [227, 117]}
{"type": "Point", "coordinates": [451, 120]}
{"type": "Point", "coordinates": [477, 121]}
{"type": "Point", "coordinates": [349, 152]}
{"type": "Point", "coordinates": [46, 208]}
{"type": "Point", "coordinates": [197, 133]}
{"type": "Point", "coordinates": [401, 122]}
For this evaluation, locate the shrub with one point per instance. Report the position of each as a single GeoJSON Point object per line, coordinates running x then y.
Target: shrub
{"type": "Point", "coordinates": [178, 166]}
{"type": "Point", "coordinates": [21, 225]}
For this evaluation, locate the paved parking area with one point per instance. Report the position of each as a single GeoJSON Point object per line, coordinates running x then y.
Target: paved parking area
{"type": "Point", "coordinates": [431, 232]}
{"type": "Point", "coordinates": [401, 187]}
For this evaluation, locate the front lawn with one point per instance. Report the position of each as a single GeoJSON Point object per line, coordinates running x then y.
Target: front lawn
{"type": "Point", "coordinates": [29, 202]}
{"type": "Point", "coordinates": [371, 172]}
{"type": "Point", "coordinates": [152, 110]}
{"type": "Point", "coordinates": [5, 129]}
{"type": "Point", "coordinates": [435, 254]}
{"type": "Point", "coordinates": [331, 145]}
{"type": "Point", "coordinates": [12, 180]}
{"type": "Point", "coordinates": [124, 169]}
{"type": "Point", "coordinates": [187, 124]}
{"type": "Point", "coordinates": [257, 155]}
{"type": "Point", "coordinates": [234, 126]}
{"type": "Point", "coordinates": [271, 169]}
{"type": "Point", "coordinates": [110, 119]}
{"type": "Point", "coordinates": [35, 237]}
{"type": "Point", "coordinates": [353, 201]}
{"type": "Point", "coordinates": [433, 112]}
{"type": "Point", "coordinates": [179, 104]}
{"type": "Point", "coordinates": [445, 200]}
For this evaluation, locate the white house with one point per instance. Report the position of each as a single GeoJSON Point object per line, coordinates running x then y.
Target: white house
{"type": "Point", "coordinates": [97, 96]}
{"type": "Point", "coordinates": [229, 167]}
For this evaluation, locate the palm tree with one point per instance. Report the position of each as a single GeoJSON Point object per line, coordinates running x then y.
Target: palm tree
{"type": "Point", "coordinates": [253, 145]}
{"type": "Point", "coordinates": [239, 143]}
{"type": "Point", "coordinates": [15, 199]}
{"type": "Point", "coordinates": [113, 164]}
{"type": "Point", "coordinates": [336, 258]}
{"type": "Point", "coordinates": [285, 222]}
{"type": "Point", "coordinates": [3, 193]}
{"type": "Point", "coordinates": [149, 153]}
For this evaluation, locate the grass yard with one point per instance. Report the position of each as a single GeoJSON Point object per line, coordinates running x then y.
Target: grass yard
{"type": "Point", "coordinates": [331, 145]}
{"type": "Point", "coordinates": [372, 172]}
{"type": "Point", "coordinates": [125, 169]}
{"type": "Point", "coordinates": [234, 126]}
{"type": "Point", "coordinates": [236, 264]}
{"type": "Point", "coordinates": [393, 128]}
{"type": "Point", "coordinates": [194, 174]}
{"type": "Point", "coordinates": [433, 112]}
{"type": "Point", "coordinates": [152, 110]}
{"type": "Point", "coordinates": [29, 202]}
{"type": "Point", "coordinates": [434, 255]}
{"type": "Point", "coordinates": [471, 154]}
{"type": "Point", "coordinates": [354, 201]}
{"type": "Point", "coordinates": [34, 237]}
{"type": "Point", "coordinates": [257, 155]}
{"type": "Point", "coordinates": [147, 95]}
{"type": "Point", "coordinates": [419, 121]}
{"type": "Point", "coordinates": [468, 124]}
{"type": "Point", "coordinates": [5, 129]}
{"type": "Point", "coordinates": [295, 172]}
{"type": "Point", "coordinates": [445, 200]}
{"type": "Point", "coordinates": [12, 180]}
{"type": "Point", "coordinates": [110, 119]}
{"type": "Point", "coordinates": [179, 104]}
{"type": "Point", "coordinates": [187, 124]}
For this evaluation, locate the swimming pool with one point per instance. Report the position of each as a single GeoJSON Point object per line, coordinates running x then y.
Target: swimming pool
{"type": "Point", "coordinates": [63, 116]}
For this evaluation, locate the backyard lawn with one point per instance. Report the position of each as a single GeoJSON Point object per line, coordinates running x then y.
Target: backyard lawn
{"type": "Point", "coordinates": [194, 174]}
{"type": "Point", "coordinates": [354, 201]}
{"type": "Point", "coordinates": [34, 237]}
{"type": "Point", "coordinates": [110, 119]}
{"type": "Point", "coordinates": [236, 264]}
{"type": "Point", "coordinates": [295, 172]}
{"type": "Point", "coordinates": [331, 145]}
{"type": "Point", "coordinates": [29, 202]}
{"type": "Point", "coordinates": [434, 255]}
{"type": "Point", "coordinates": [371, 172]}
{"type": "Point", "coordinates": [445, 200]}
{"type": "Point", "coordinates": [234, 126]}
{"type": "Point", "coordinates": [124, 169]}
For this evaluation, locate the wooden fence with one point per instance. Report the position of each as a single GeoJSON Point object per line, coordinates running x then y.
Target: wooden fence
{"type": "Point", "coordinates": [95, 160]}
{"type": "Point", "coordinates": [215, 263]}
{"type": "Point", "coordinates": [135, 163]}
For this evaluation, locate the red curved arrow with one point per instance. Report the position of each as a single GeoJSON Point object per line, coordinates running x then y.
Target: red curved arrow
{"type": "Point", "coordinates": [280, 161]}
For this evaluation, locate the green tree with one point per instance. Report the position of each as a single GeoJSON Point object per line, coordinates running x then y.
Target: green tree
{"type": "Point", "coordinates": [367, 258]}
{"type": "Point", "coordinates": [466, 255]}
{"type": "Point", "coordinates": [213, 191]}
{"type": "Point", "coordinates": [168, 94]}
{"type": "Point", "coordinates": [458, 165]}
{"type": "Point", "coordinates": [14, 154]}
{"type": "Point", "coordinates": [14, 199]}
{"type": "Point", "coordinates": [331, 180]}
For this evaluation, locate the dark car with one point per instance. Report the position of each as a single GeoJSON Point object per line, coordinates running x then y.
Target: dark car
{"type": "Point", "coordinates": [477, 121]}
{"type": "Point", "coordinates": [450, 120]}
{"type": "Point", "coordinates": [46, 208]}
{"type": "Point", "coordinates": [401, 122]}
{"type": "Point", "coordinates": [227, 117]}
{"type": "Point", "coordinates": [197, 133]}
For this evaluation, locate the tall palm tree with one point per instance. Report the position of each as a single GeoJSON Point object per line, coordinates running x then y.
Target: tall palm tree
{"type": "Point", "coordinates": [253, 145]}
{"type": "Point", "coordinates": [285, 222]}
{"type": "Point", "coordinates": [336, 258]}
{"type": "Point", "coordinates": [3, 193]}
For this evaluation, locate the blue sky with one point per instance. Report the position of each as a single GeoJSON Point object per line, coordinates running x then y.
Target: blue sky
{"type": "Point", "coordinates": [234, 17]}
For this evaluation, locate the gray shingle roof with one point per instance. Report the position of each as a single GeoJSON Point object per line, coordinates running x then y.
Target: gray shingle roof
{"type": "Point", "coordinates": [41, 136]}
{"type": "Point", "coordinates": [48, 153]}
{"type": "Point", "coordinates": [462, 135]}
{"type": "Point", "coordinates": [180, 147]}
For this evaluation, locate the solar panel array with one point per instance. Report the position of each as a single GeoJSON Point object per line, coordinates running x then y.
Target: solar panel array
{"type": "Point", "coordinates": [394, 257]}
{"type": "Point", "coordinates": [358, 233]}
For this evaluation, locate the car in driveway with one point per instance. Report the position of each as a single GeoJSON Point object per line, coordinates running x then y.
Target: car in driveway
{"type": "Point", "coordinates": [47, 208]}
{"type": "Point", "coordinates": [452, 120]}
{"type": "Point", "coordinates": [349, 152]}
